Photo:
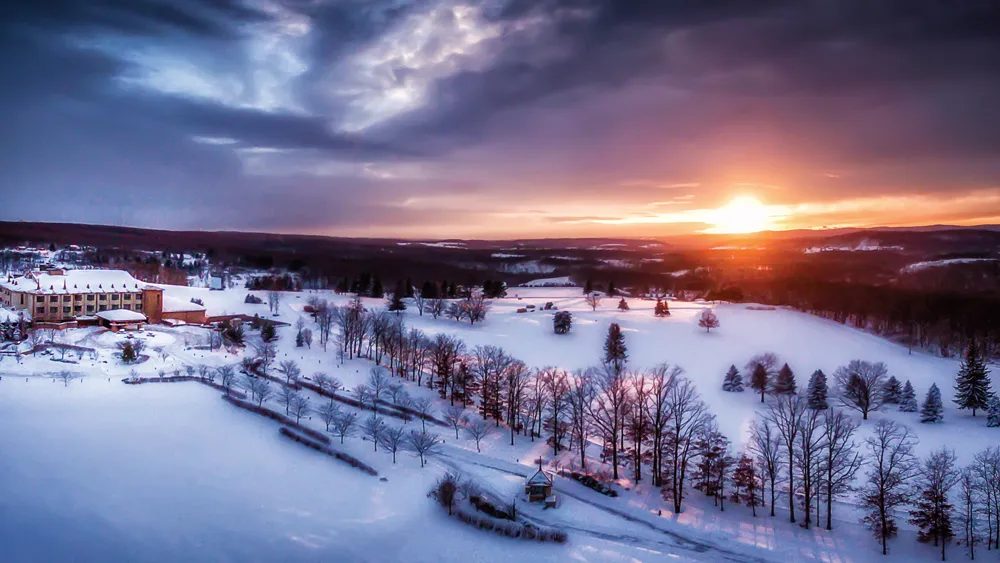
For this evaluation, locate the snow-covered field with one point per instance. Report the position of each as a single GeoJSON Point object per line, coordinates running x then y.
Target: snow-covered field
{"type": "Point", "coordinates": [101, 471]}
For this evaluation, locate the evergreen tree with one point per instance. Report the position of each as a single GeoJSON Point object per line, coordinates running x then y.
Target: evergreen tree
{"type": "Point", "coordinates": [452, 290]}
{"type": "Point", "coordinates": [615, 351]}
{"type": "Point", "coordinates": [932, 410]}
{"type": "Point", "coordinates": [562, 321]}
{"type": "Point", "coordinates": [409, 288]}
{"type": "Point", "coordinates": [376, 289]}
{"type": "Point", "coordinates": [661, 309]}
{"type": "Point", "coordinates": [395, 302]}
{"type": "Point", "coordinates": [758, 380]}
{"type": "Point", "coordinates": [429, 290]}
{"type": "Point", "coordinates": [745, 483]}
{"type": "Point", "coordinates": [300, 339]}
{"type": "Point", "coordinates": [588, 287]}
{"type": "Point", "coordinates": [268, 332]}
{"type": "Point", "coordinates": [908, 398]}
{"type": "Point", "coordinates": [784, 384]}
{"type": "Point", "coordinates": [733, 381]}
{"type": "Point", "coordinates": [932, 511]}
{"type": "Point", "coordinates": [817, 391]}
{"type": "Point", "coordinates": [612, 291]}
{"type": "Point", "coordinates": [892, 391]}
{"type": "Point", "coordinates": [623, 305]}
{"type": "Point", "coordinates": [972, 386]}
{"type": "Point", "coordinates": [342, 286]}
{"type": "Point", "coordinates": [993, 412]}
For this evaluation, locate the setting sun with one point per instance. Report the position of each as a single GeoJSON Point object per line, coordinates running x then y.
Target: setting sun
{"type": "Point", "coordinates": [743, 214]}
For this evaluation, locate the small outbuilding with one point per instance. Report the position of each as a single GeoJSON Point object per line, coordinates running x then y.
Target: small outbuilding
{"type": "Point", "coordinates": [118, 319]}
{"type": "Point", "coordinates": [538, 487]}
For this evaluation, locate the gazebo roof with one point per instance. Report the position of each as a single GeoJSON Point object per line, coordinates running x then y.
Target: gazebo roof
{"type": "Point", "coordinates": [540, 478]}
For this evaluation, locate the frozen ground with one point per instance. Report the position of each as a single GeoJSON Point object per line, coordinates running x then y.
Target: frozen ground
{"type": "Point", "coordinates": [113, 472]}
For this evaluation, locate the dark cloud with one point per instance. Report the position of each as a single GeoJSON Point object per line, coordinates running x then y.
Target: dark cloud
{"type": "Point", "coordinates": [568, 99]}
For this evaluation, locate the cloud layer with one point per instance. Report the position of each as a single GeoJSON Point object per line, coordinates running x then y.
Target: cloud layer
{"type": "Point", "coordinates": [498, 118]}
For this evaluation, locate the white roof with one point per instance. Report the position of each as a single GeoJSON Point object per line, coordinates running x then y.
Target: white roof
{"type": "Point", "coordinates": [75, 281]}
{"type": "Point", "coordinates": [174, 305]}
{"type": "Point", "coordinates": [121, 316]}
{"type": "Point", "coordinates": [540, 478]}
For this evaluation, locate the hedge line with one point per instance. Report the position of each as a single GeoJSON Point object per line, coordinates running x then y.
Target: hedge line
{"type": "Point", "coordinates": [306, 441]}
{"type": "Point", "coordinates": [172, 379]}
{"type": "Point", "coordinates": [349, 401]}
{"type": "Point", "coordinates": [315, 434]}
{"type": "Point", "coordinates": [512, 529]}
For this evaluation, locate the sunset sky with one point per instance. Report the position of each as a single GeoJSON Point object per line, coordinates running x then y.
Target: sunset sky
{"type": "Point", "coordinates": [500, 118]}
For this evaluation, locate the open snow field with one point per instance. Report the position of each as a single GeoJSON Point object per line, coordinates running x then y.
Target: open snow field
{"type": "Point", "coordinates": [101, 471]}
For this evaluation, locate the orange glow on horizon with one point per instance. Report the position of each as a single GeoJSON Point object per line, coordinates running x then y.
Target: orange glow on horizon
{"type": "Point", "coordinates": [742, 214]}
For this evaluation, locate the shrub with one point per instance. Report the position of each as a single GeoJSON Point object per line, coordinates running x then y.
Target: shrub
{"type": "Point", "coordinates": [253, 299]}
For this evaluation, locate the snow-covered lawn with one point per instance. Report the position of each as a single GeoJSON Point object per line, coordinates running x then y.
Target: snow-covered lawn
{"type": "Point", "coordinates": [107, 471]}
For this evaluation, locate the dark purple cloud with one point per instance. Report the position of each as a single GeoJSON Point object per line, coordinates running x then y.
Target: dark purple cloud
{"type": "Point", "coordinates": [439, 116]}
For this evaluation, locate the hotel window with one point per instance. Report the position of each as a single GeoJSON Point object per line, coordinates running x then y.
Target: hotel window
{"type": "Point", "coordinates": [138, 306]}
{"type": "Point", "coordinates": [103, 297]}
{"type": "Point", "coordinates": [127, 297]}
{"type": "Point", "coordinates": [78, 308]}
{"type": "Point", "coordinates": [66, 309]}
{"type": "Point", "coordinates": [54, 298]}
{"type": "Point", "coordinates": [67, 297]}
{"type": "Point", "coordinates": [40, 310]}
{"type": "Point", "coordinates": [90, 308]}
{"type": "Point", "coordinates": [53, 309]}
{"type": "Point", "coordinates": [127, 307]}
{"type": "Point", "coordinates": [102, 308]}
{"type": "Point", "coordinates": [90, 298]}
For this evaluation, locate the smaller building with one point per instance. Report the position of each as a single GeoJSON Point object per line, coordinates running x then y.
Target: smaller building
{"type": "Point", "coordinates": [538, 487]}
{"type": "Point", "coordinates": [121, 319]}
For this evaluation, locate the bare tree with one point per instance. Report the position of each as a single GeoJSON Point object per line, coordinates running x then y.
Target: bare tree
{"type": "Point", "coordinates": [65, 376]}
{"type": "Point", "coordinates": [274, 301]}
{"type": "Point", "coordinates": [593, 300]}
{"type": "Point", "coordinates": [608, 410]}
{"type": "Point", "coordinates": [581, 396]}
{"type": "Point", "coordinates": [808, 457]}
{"type": "Point", "coordinates": [227, 377]}
{"type": "Point", "coordinates": [968, 510]}
{"type": "Point", "coordinates": [708, 320]}
{"type": "Point", "coordinates": [378, 384]}
{"type": "Point", "coordinates": [785, 414]}
{"type": "Point", "coordinates": [841, 458]}
{"type": "Point", "coordinates": [478, 429]}
{"type": "Point", "coordinates": [688, 417]}
{"type": "Point", "coordinates": [300, 407]}
{"type": "Point", "coordinates": [206, 373]}
{"type": "Point", "coordinates": [328, 413]}
{"type": "Point", "coordinates": [423, 445]}
{"type": "Point", "coordinates": [420, 301]}
{"type": "Point", "coordinates": [286, 394]}
{"type": "Point", "coordinates": [860, 385]}
{"type": "Point", "coordinates": [892, 466]}
{"type": "Point", "coordinates": [392, 438]}
{"type": "Point", "coordinates": [325, 316]}
{"type": "Point", "coordinates": [765, 446]}
{"type": "Point", "coordinates": [327, 383]}
{"type": "Point", "coordinates": [266, 353]}
{"type": "Point", "coordinates": [986, 466]}
{"type": "Point", "coordinates": [455, 417]}
{"type": "Point", "coordinates": [661, 379]}
{"type": "Point", "coordinates": [373, 426]}
{"type": "Point", "coordinates": [343, 424]}
{"type": "Point", "coordinates": [435, 307]}
{"type": "Point", "coordinates": [556, 386]}
{"type": "Point", "coordinates": [258, 387]}
{"type": "Point", "coordinates": [425, 408]}
{"type": "Point", "coordinates": [291, 371]}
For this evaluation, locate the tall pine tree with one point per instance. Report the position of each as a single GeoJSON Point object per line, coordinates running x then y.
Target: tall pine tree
{"type": "Point", "coordinates": [817, 391]}
{"type": "Point", "coordinates": [972, 385]}
{"type": "Point", "coordinates": [784, 384]}
{"type": "Point", "coordinates": [733, 381]}
{"type": "Point", "coordinates": [908, 398]}
{"type": "Point", "coordinates": [932, 511]}
{"type": "Point", "coordinates": [892, 391]}
{"type": "Point", "coordinates": [993, 412]}
{"type": "Point", "coordinates": [932, 410]}
{"type": "Point", "coordinates": [758, 380]}
{"type": "Point", "coordinates": [615, 351]}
